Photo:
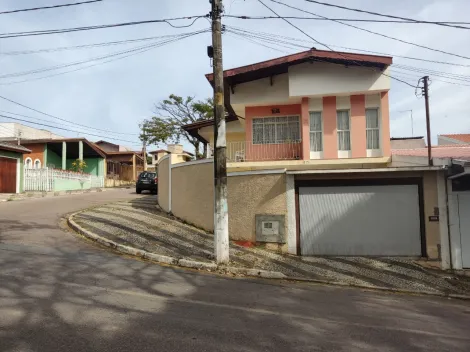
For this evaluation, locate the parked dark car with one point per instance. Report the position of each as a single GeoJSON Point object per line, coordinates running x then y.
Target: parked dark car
{"type": "Point", "coordinates": [147, 181]}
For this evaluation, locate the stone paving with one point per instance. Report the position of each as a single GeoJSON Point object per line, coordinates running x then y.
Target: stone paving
{"type": "Point", "coordinates": [140, 224]}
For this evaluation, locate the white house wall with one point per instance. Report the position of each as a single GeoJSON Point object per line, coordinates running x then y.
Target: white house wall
{"type": "Point", "coordinates": [320, 79]}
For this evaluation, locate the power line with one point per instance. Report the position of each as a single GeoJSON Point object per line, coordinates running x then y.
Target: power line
{"type": "Point", "coordinates": [384, 15]}
{"type": "Point", "coordinates": [55, 67]}
{"type": "Point", "coordinates": [85, 46]}
{"type": "Point", "coordinates": [245, 17]}
{"type": "Point", "coordinates": [50, 7]}
{"type": "Point", "coordinates": [271, 35]}
{"type": "Point", "coordinates": [88, 28]}
{"type": "Point", "coordinates": [66, 129]}
{"type": "Point", "coordinates": [132, 53]}
{"type": "Point", "coordinates": [61, 119]}
{"type": "Point", "coordinates": [325, 45]}
{"type": "Point", "coordinates": [372, 32]}
{"type": "Point", "coordinates": [405, 75]}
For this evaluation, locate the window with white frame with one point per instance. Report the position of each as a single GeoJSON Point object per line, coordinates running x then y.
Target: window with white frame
{"type": "Point", "coordinates": [276, 130]}
{"type": "Point", "coordinates": [316, 131]}
{"type": "Point", "coordinates": [28, 163]}
{"type": "Point", "coordinates": [344, 130]}
{"type": "Point", "coordinates": [37, 164]}
{"type": "Point", "coordinates": [372, 129]}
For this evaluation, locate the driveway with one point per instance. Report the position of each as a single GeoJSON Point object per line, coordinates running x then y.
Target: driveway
{"type": "Point", "coordinates": [139, 224]}
{"type": "Point", "coordinates": [61, 293]}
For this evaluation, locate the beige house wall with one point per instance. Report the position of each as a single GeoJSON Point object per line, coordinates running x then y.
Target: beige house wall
{"type": "Point", "coordinates": [164, 184]}
{"type": "Point", "coordinates": [254, 194]}
{"type": "Point", "coordinates": [193, 198]}
{"type": "Point", "coordinates": [192, 194]}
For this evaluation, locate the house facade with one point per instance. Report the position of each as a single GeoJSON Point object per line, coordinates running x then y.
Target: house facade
{"type": "Point", "coordinates": [176, 149]}
{"type": "Point", "coordinates": [11, 167]}
{"type": "Point", "coordinates": [61, 153]}
{"type": "Point", "coordinates": [310, 167]}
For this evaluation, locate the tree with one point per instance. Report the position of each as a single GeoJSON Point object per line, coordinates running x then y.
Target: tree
{"type": "Point", "coordinates": [179, 111]}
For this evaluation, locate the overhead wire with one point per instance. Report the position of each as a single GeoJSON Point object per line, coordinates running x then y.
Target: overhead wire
{"type": "Point", "coordinates": [271, 39]}
{"type": "Point", "coordinates": [272, 35]}
{"type": "Point", "coordinates": [103, 57]}
{"type": "Point", "coordinates": [245, 17]}
{"type": "Point", "coordinates": [439, 23]}
{"type": "Point", "coordinates": [372, 32]}
{"type": "Point", "coordinates": [50, 7]}
{"type": "Point", "coordinates": [131, 53]}
{"type": "Point", "coordinates": [114, 25]}
{"type": "Point", "coordinates": [325, 45]}
{"type": "Point", "coordinates": [66, 129]}
{"type": "Point", "coordinates": [62, 119]}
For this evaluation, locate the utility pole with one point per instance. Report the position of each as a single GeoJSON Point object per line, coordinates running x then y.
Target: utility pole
{"type": "Point", "coordinates": [144, 154]}
{"type": "Point", "coordinates": [221, 238]}
{"type": "Point", "coordinates": [428, 119]}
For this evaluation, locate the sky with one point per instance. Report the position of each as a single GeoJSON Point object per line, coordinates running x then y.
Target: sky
{"type": "Point", "coordinates": [118, 95]}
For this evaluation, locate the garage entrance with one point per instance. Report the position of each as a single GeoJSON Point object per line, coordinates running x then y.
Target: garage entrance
{"type": "Point", "coordinates": [360, 220]}
{"type": "Point", "coordinates": [8, 175]}
{"type": "Point", "coordinates": [464, 226]}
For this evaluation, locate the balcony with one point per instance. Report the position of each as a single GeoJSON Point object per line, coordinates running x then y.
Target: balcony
{"type": "Point", "coordinates": [247, 151]}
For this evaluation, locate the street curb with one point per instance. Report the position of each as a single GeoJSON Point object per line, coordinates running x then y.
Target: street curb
{"type": "Point", "coordinates": [38, 195]}
{"type": "Point", "coordinates": [380, 288]}
{"type": "Point", "coordinates": [184, 263]}
{"type": "Point", "coordinates": [212, 267]}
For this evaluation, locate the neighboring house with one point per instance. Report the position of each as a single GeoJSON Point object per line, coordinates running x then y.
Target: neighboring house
{"type": "Point", "coordinates": [455, 246]}
{"type": "Point", "coordinates": [172, 149]}
{"type": "Point", "coordinates": [310, 166]}
{"type": "Point", "coordinates": [122, 163]}
{"type": "Point", "coordinates": [112, 147]}
{"type": "Point", "coordinates": [407, 142]}
{"type": "Point", "coordinates": [448, 139]}
{"type": "Point", "coordinates": [61, 153]}
{"type": "Point", "coordinates": [11, 167]}
{"type": "Point", "coordinates": [15, 131]}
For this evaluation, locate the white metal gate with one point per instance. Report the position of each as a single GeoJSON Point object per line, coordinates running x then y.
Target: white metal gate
{"type": "Point", "coordinates": [360, 220]}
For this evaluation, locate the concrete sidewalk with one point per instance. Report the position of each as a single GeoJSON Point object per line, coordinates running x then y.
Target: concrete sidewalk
{"type": "Point", "coordinates": [140, 225]}
{"type": "Point", "coordinates": [7, 197]}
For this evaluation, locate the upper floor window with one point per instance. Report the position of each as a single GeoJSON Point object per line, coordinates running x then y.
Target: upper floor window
{"type": "Point", "coordinates": [372, 129]}
{"type": "Point", "coordinates": [276, 130]}
{"type": "Point", "coordinates": [344, 130]}
{"type": "Point", "coordinates": [37, 164]}
{"type": "Point", "coordinates": [316, 132]}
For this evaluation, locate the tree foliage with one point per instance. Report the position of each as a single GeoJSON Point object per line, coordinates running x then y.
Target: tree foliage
{"type": "Point", "coordinates": [173, 113]}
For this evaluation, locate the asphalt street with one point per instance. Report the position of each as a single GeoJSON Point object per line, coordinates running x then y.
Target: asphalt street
{"type": "Point", "coordinates": [59, 292]}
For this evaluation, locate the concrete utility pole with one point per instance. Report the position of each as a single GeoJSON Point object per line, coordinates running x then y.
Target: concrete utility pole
{"type": "Point", "coordinates": [144, 154]}
{"type": "Point", "coordinates": [428, 118]}
{"type": "Point", "coordinates": [221, 238]}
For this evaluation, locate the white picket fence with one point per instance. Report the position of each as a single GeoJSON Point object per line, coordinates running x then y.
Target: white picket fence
{"type": "Point", "coordinates": [43, 179]}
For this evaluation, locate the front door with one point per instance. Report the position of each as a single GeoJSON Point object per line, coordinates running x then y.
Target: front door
{"type": "Point", "coordinates": [8, 175]}
{"type": "Point", "coordinates": [464, 211]}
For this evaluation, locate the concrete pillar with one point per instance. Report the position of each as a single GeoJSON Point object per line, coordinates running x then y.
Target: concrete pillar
{"type": "Point", "coordinates": [291, 218]}
{"type": "Point", "coordinates": [454, 227]}
{"type": "Point", "coordinates": [443, 222]}
{"type": "Point", "coordinates": [305, 128]}
{"type": "Point", "coordinates": [358, 126]}
{"type": "Point", "coordinates": [64, 155]}
{"type": "Point", "coordinates": [80, 150]}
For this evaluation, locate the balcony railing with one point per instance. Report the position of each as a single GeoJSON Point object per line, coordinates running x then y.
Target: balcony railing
{"type": "Point", "coordinates": [247, 151]}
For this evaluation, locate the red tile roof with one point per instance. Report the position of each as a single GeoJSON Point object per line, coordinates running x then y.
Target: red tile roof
{"type": "Point", "coordinates": [461, 152]}
{"type": "Point", "coordinates": [464, 137]}
{"type": "Point", "coordinates": [322, 55]}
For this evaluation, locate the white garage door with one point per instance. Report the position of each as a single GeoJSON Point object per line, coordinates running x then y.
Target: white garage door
{"type": "Point", "coordinates": [360, 220]}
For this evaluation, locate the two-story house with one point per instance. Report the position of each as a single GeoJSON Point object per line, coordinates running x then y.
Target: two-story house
{"type": "Point", "coordinates": [320, 121]}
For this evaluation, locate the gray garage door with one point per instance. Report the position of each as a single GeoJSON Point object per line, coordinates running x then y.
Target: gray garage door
{"type": "Point", "coordinates": [360, 220]}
